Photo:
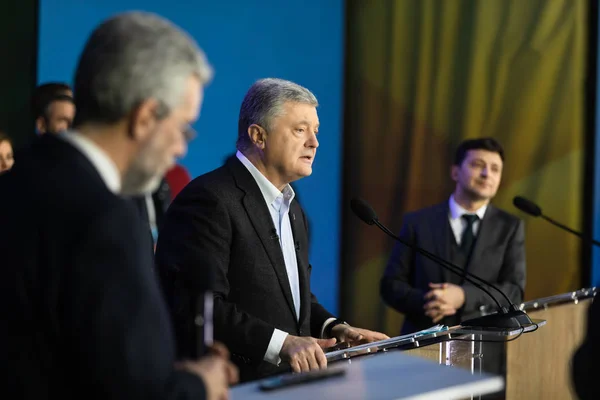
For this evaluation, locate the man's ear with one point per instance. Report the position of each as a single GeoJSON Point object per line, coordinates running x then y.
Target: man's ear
{"type": "Point", "coordinates": [40, 124]}
{"type": "Point", "coordinates": [257, 135]}
{"type": "Point", "coordinates": [143, 119]}
{"type": "Point", "coordinates": [454, 173]}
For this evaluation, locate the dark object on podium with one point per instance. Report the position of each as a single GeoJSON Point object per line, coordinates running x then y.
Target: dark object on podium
{"type": "Point", "coordinates": [283, 381]}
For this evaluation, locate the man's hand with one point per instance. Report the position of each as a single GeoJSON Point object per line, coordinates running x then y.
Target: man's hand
{"type": "Point", "coordinates": [355, 336]}
{"type": "Point", "coordinates": [305, 353]}
{"type": "Point", "coordinates": [442, 300]}
{"type": "Point", "coordinates": [214, 372]}
{"type": "Point", "coordinates": [448, 293]}
{"type": "Point", "coordinates": [437, 310]}
{"type": "Point", "coordinates": [220, 350]}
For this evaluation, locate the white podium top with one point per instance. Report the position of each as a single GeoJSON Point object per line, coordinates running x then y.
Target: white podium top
{"type": "Point", "coordinates": [392, 375]}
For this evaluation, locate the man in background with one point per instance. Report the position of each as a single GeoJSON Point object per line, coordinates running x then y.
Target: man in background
{"type": "Point", "coordinates": [53, 107]}
{"type": "Point", "coordinates": [50, 89]}
{"type": "Point", "coordinates": [55, 115]}
{"type": "Point", "coordinates": [7, 158]}
{"type": "Point", "coordinates": [466, 230]}
{"type": "Point", "coordinates": [82, 314]}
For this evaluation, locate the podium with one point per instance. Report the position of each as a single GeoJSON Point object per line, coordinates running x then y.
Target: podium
{"type": "Point", "coordinates": [395, 369]}
{"type": "Point", "coordinates": [386, 375]}
{"type": "Point", "coordinates": [532, 361]}
{"type": "Point", "coordinates": [478, 351]}
{"type": "Point", "coordinates": [535, 365]}
{"type": "Point", "coordinates": [545, 371]}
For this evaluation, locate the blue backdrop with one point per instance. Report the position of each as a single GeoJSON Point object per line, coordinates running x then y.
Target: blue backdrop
{"type": "Point", "coordinates": [595, 275]}
{"type": "Point", "coordinates": [244, 41]}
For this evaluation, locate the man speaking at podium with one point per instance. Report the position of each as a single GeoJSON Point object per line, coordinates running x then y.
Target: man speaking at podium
{"type": "Point", "coordinates": [243, 221]}
{"type": "Point", "coordinates": [466, 230]}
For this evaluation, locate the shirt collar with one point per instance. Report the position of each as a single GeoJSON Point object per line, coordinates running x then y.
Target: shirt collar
{"type": "Point", "coordinates": [456, 211]}
{"type": "Point", "coordinates": [100, 160]}
{"type": "Point", "coordinates": [268, 190]}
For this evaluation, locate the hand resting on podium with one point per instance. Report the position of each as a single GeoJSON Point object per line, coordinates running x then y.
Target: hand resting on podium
{"type": "Point", "coordinates": [355, 336]}
{"type": "Point", "coordinates": [348, 337]}
{"type": "Point", "coordinates": [305, 353]}
{"type": "Point", "coordinates": [308, 353]}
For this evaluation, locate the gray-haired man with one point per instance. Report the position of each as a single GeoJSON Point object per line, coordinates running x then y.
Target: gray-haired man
{"type": "Point", "coordinates": [82, 315]}
{"type": "Point", "coordinates": [242, 221]}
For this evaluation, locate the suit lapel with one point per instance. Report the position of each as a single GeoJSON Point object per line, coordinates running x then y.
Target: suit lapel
{"type": "Point", "coordinates": [301, 242]}
{"type": "Point", "coordinates": [441, 237]}
{"type": "Point", "coordinates": [259, 215]}
{"type": "Point", "coordinates": [484, 236]}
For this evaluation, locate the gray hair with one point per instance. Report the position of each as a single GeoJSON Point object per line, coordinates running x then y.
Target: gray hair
{"type": "Point", "coordinates": [264, 101]}
{"type": "Point", "coordinates": [130, 58]}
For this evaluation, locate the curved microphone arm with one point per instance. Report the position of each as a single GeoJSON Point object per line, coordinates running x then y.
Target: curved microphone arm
{"type": "Point", "coordinates": [447, 265]}
{"type": "Point", "coordinates": [574, 232]}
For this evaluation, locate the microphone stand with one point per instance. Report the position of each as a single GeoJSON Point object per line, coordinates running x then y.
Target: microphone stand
{"type": "Point", "coordinates": [513, 318]}
{"type": "Point", "coordinates": [574, 232]}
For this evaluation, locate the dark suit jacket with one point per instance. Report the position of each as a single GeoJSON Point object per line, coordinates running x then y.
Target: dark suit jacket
{"type": "Point", "coordinates": [498, 257]}
{"type": "Point", "coordinates": [220, 221]}
{"type": "Point", "coordinates": [82, 314]}
{"type": "Point", "coordinates": [585, 361]}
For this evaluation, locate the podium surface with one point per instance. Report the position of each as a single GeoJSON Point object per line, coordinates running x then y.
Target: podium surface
{"type": "Point", "coordinates": [385, 375]}
{"type": "Point", "coordinates": [429, 337]}
{"type": "Point", "coordinates": [539, 366]}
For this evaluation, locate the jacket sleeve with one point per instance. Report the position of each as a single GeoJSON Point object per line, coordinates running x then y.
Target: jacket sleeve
{"type": "Point", "coordinates": [396, 286]}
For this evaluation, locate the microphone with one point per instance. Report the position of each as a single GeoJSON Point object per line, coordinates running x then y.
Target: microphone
{"type": "Point", "coordinates": [504, 318]}
{"type": "Point", "coordinates": [201, 282]}
{"type": "Point", "coordinates": [534, 210]}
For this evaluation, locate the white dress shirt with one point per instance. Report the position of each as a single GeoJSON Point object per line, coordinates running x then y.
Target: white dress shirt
{"type": "Point", "coordinates": [458, 224]}
{"type": "Point", "coordinates": [278, 204]}
{"type": "Point", "coordinates": [100, 160]}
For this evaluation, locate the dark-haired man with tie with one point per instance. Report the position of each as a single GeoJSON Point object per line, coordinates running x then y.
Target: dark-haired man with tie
{"type": "Point", "coordinates": [465, 230]}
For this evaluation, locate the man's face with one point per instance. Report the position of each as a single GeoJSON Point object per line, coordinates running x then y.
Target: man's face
{"type": "Point", "coordinates": [164, 143]}
{"type": "Point", "coordinates": [479, 175]}
{"type": "Point", "coordinates": [291, 142]}
{"type": "Point", "coordinates": [6, 156]}
{"type": "Point", "coordinates": [59, 117]}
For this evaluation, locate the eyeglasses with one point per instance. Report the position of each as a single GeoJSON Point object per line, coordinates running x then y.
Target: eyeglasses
{"type": "Point", "coordinates": [189, 133]}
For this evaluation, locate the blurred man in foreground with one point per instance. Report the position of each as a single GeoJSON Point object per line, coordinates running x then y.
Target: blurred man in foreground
{"type": "Point", "coordinates": [82, 315]}
{"type": "Point", "coordinates": [242, 221]}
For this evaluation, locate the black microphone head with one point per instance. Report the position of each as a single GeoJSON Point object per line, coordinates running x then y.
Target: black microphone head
{"type": "Point", "coordinates": [527, 206]}
{"type": "Point", "coordinates": [363, 210]}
